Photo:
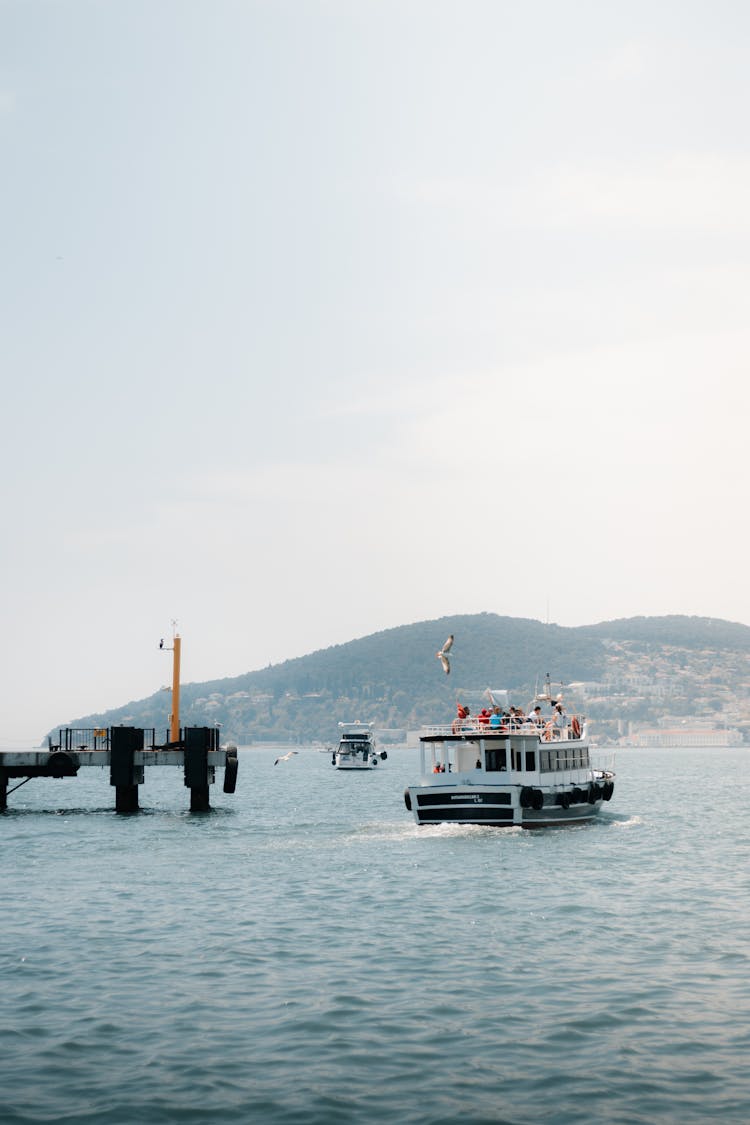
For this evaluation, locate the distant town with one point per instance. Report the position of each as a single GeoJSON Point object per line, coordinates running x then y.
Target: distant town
{"type": "Point", "coordinates": [668, 697]}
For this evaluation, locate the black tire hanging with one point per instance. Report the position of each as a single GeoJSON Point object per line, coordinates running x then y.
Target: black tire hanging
{"type": "Point", "coordinates": [230, 773]}
{"type": "Point", "coordinates": [61, 764]}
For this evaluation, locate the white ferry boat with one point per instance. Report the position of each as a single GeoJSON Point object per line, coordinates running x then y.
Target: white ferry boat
{"type": "Point", "coordinates": [356, 749]}
{"type": "Point", "coordinates": [530, 773]}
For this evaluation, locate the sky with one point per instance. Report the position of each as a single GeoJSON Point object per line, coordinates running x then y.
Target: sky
{"type": "Point", "coordinates": [320, 317]}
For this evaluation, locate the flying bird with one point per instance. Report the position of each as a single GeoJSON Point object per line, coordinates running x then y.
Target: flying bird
{"type": "Point", "coordinates": [285, 757]}
{"type": "Point", "coordinates": [442, 655]}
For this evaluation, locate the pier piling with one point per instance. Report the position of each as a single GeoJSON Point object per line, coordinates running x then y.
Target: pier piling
{"type": "Point", "coordinates": [198, 742]}
{"type": "Point", "coordinates": [124, 774]}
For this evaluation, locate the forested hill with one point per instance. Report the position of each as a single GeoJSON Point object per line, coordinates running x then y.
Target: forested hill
{"type": "Point", "coordinates": [394, 680]}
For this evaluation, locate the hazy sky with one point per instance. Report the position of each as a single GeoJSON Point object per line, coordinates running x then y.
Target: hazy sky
{"type": "Point", "coordinates": [326, 316]}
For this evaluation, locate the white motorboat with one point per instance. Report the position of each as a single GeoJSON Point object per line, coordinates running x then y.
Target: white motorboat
{"type": "Point", "coordinates": [504, 768]}
{"type": "Point", "coordinates": [356, 749]}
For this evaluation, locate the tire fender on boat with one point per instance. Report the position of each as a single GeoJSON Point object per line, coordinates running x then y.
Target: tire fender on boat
{"type": "Point", "coordinates": [537, 799]}
{"type": "Point", "coordinates": [407, 799]}
{"type": "Point", "coordinates": [565, 800]}
{"type": "Point", "coordinates": [383, 755]}
{"type": "Point", "coordinates": [526, 797]}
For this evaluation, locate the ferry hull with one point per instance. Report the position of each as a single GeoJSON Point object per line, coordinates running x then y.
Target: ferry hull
{"type": "Point", "coordinates": [500, 809]}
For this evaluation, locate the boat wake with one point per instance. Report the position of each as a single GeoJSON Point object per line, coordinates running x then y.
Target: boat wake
{"type": "Point", "coordinates": [624, 821]}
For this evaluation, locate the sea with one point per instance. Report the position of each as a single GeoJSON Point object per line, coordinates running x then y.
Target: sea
{"type": "Point", "coordinates": [303, 953]}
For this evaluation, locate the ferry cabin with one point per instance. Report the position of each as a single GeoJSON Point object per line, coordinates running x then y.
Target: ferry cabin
{"type": "Point", "coordinates": [530, 761]}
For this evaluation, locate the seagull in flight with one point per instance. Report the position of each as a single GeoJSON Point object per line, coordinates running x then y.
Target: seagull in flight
{"type": "Point", "coordinates": [442, 655]}
{"type": "Point", "coordinates": [285, 757]}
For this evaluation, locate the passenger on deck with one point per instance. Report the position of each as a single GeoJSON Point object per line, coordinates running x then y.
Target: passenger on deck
{"type": "Point", "coordinates": [484, 717]}
{"type": "Point", "coordinates": [559, 717]}
{"type": "Point", "coordinates": [496, 718]}
{"type": "Point", "coordinates": [536, 717]}
{"type": "Point", "coordinates": [462, 714]}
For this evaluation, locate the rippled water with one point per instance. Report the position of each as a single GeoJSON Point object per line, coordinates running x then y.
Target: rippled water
{"type": "Point", "coordinates": [305, 953]}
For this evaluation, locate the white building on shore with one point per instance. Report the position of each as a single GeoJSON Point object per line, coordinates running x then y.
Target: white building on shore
{"type": "Point", "coordinates": [686, 736]}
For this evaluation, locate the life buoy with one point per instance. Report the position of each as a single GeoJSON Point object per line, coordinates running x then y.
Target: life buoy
{"type": "Point", "coordinates": [575, 727]}
{"type": "Point", "coordinates": [407, 799]}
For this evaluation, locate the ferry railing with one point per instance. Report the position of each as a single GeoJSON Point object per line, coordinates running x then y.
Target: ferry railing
{"type": "Point", "coordinates": [603, 761]}
{"type": "Point", "coordinates": [472, 725]}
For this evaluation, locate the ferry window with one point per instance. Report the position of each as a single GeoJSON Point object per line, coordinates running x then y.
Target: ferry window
{"type": "Point", "coordinates": [494, 759]}
{"type": "Point", "coordinates": [544, 762]}
{"type": "Point", "coordinates": [515, 757]}
{"type": "Point", "coordinates": [530, 760]}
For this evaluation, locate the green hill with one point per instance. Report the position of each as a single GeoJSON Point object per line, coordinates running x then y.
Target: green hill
{"type": "Point", "coordinates": [392, 678]}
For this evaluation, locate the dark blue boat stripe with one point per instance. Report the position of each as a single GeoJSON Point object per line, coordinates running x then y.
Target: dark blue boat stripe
{"type": "Point", "coordinates": [466, 799]}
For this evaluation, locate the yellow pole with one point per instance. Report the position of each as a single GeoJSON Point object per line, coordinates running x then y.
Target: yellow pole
{"type": "Point", "coordinates": [174, 732]}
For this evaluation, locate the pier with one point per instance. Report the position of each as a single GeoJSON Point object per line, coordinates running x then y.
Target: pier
{"type": "Point", "coordinates": [128, 751]}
